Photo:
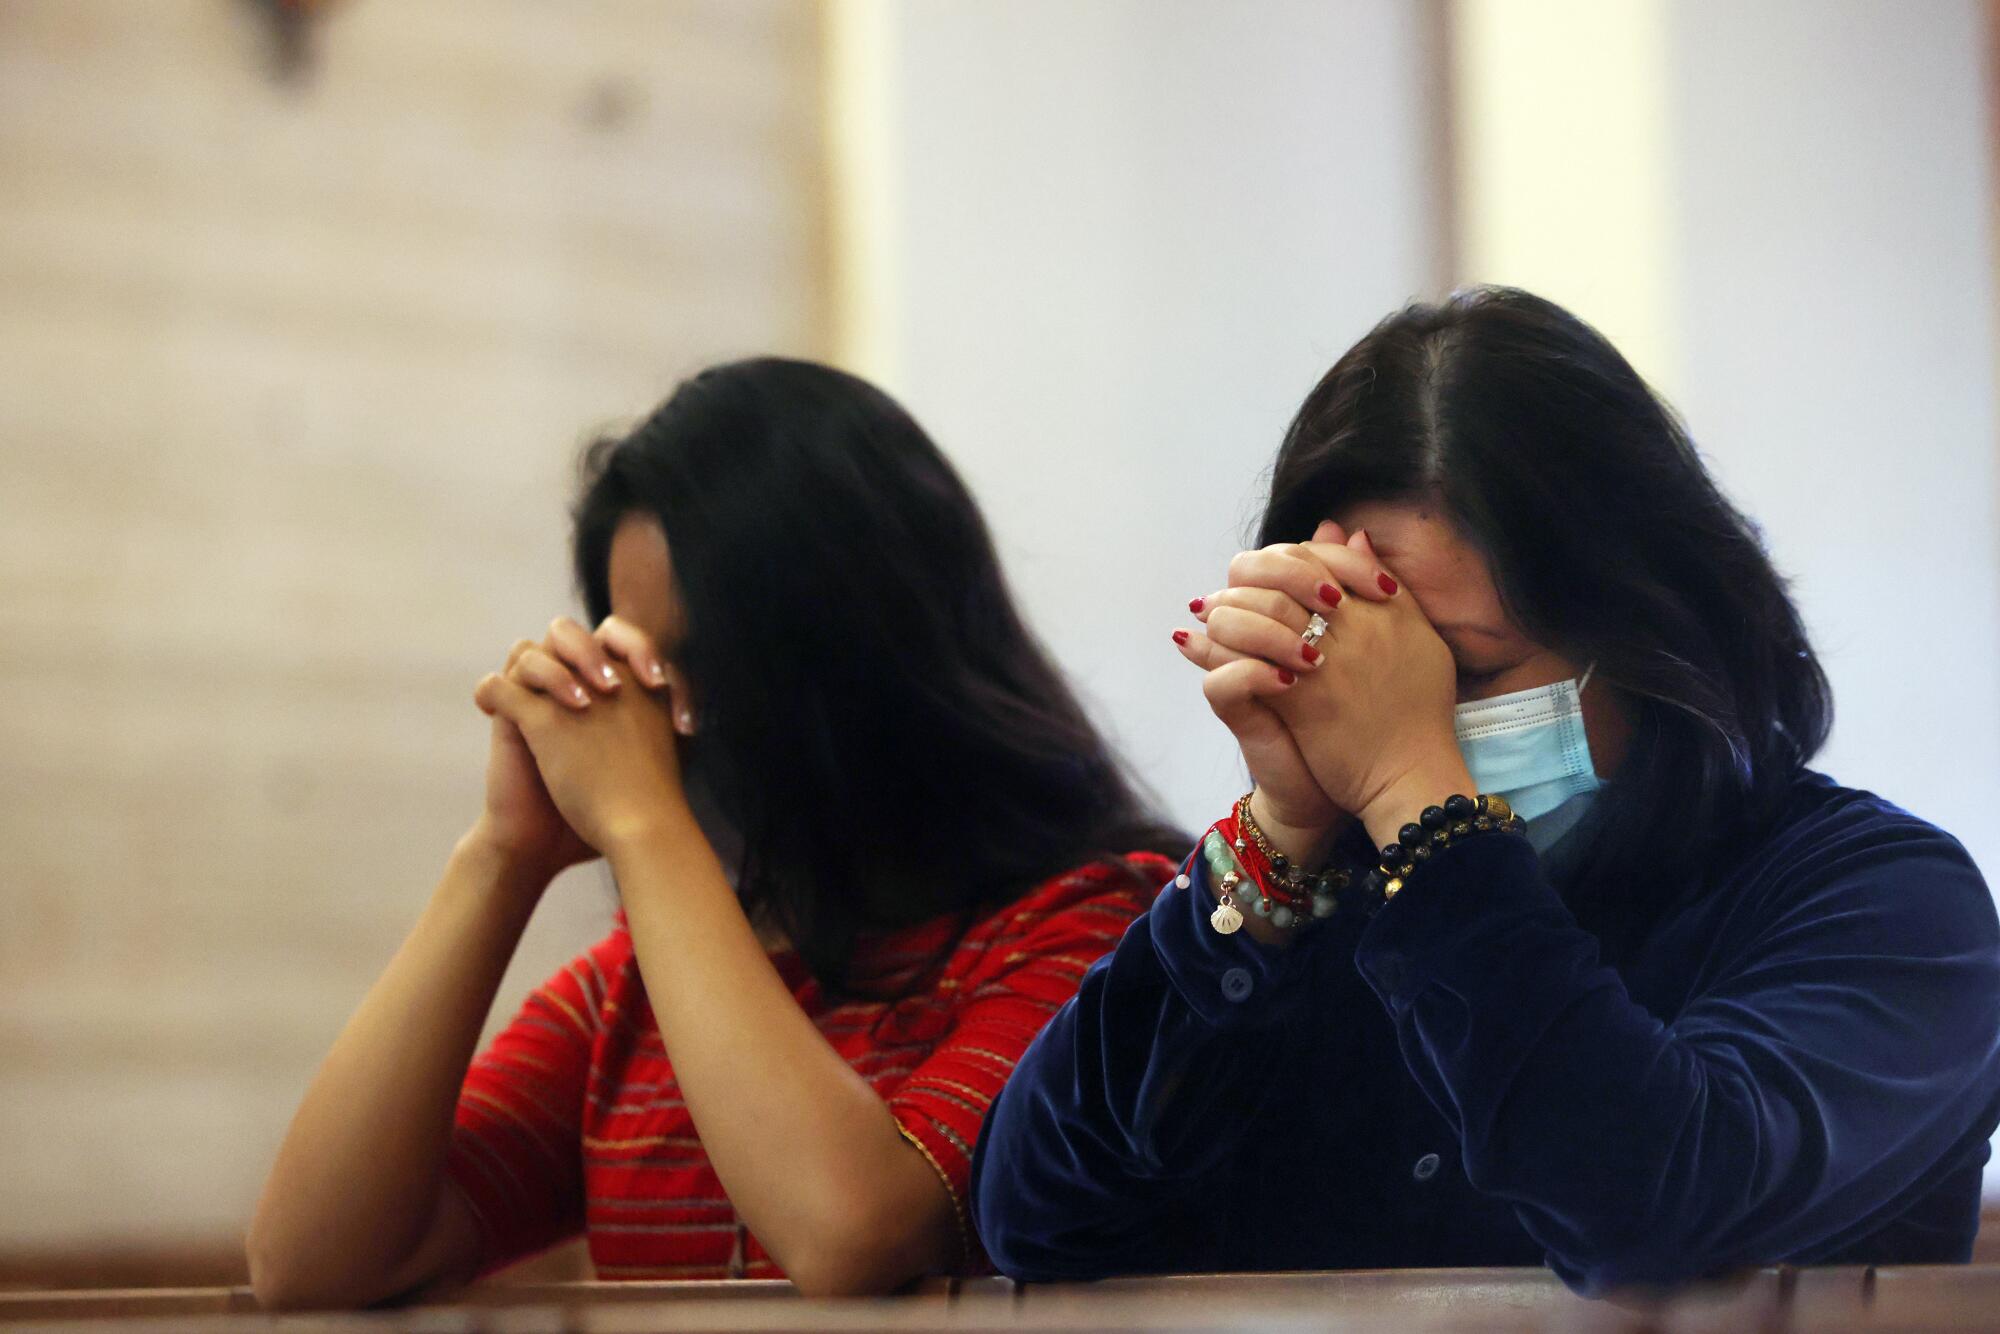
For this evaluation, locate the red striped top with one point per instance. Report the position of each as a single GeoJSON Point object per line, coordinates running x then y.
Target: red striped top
{"type": "Point", "coordinates": [571, 1120]}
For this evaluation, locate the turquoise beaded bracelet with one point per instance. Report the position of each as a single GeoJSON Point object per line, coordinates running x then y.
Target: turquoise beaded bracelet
{"type": "Point", "coordinates": [1233, 881]}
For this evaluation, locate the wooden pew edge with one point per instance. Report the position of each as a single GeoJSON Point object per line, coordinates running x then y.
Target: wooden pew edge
{"type": "Point", "coordinates": [1854, 1288]}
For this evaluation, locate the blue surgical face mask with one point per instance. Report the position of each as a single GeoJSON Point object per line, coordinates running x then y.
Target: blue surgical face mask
{"type": "Point", "coordinates": [1528, 747]}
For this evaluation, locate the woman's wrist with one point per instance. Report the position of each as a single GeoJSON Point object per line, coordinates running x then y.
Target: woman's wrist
{"type": "Point", "coordinates": [1303, 844]}
{"type": "Point", "coordinates": [1405, 799]}
{"type": "Point", "coordinates": [497, 867]}
{"type": "Point", "coordinates": [669, 830]}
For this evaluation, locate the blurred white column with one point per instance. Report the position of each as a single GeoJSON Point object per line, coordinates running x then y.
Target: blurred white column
{"type": "Point", "coordinates": [1560, 142]}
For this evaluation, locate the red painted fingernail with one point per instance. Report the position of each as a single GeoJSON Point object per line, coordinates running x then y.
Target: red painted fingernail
{"type": "Point", "coordinates": [1388, 585]}
{"type": "Point", "coordinates": [1285, 678]}
{"type": "Point", "coordinates": [1309, 653]}
{"type": "Point", "coordinates": [1194, 604]}
{"type": "Point", "coordinates": [1329, 595]}
{"type": "Point", "coordinates": [1180, 636]}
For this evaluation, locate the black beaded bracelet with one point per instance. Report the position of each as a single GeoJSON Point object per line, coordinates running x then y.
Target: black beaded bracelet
{"type": "Point", "coordinates": [1436, 829]}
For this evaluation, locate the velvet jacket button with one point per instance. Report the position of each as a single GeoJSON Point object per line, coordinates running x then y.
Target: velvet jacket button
{"type": "Point", "coordinates": [1426, 1168]}
{"type": "Point", "coordinates": [1236, 984]}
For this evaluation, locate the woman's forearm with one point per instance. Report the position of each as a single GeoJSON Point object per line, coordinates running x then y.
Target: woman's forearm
{"type": "Point", "coordinates": [1814, 1074]}
{"type": "Point", "coordinates": [353, 1210]}
{"type": "Point", "coordinates": [811, 1157]}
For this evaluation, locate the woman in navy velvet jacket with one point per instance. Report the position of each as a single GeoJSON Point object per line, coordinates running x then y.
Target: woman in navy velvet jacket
{"type": "Point", "coordinates": [1694, 1006]}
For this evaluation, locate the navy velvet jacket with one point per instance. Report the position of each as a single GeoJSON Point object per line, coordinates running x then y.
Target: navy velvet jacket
{"type": "Point", "coordinates": [1798, 1061]}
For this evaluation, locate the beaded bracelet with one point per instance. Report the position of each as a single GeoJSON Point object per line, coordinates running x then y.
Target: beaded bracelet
{"type": "Point", "coordinates": [1250, 869]}
{"type": "Point", "coordinates": [1436, 829]}
{"type": "Point", "coordinates": [1304, 892]}
{"type": "Point", "coordinates": [1229, 877]}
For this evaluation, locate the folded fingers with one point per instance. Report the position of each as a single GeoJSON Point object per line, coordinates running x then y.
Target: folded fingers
{"type": "Point", "coordinates": [1258, 636]}
{"type": "Point", "coordinates": [1204, 652]}
{"type": "Point", "coordinates": [625, 641]}
{"type": "Point", "coordinates": [1279, 607]}
{"type": "Point", "coordinates": [1289, 569]}
{"type": "Point", "coordinates": [580, 652]}
{"type": "Point", "coordinates": [540, 671]}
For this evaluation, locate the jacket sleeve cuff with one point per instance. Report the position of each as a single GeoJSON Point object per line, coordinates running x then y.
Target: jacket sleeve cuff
{"type": "Point", "coordinates": [1232, 981]}
{"type": "Point", "coordinates": [1445, 920]}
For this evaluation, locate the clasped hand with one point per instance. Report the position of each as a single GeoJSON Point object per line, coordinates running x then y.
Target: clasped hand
{"type": "Point", "coordinates": [1360, 726]}
{"type": "Point", "coordinates": [584, 746]}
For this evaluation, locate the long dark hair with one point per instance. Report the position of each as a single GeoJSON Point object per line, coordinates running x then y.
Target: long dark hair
{"type": "Point", "coordinates": [1608, 541]}
{"type": "Point", "coordinates": [876, 722]}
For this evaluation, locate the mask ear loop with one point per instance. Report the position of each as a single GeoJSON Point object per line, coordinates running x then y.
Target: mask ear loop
{"type": "Point", "coordinates": [1584, 680]}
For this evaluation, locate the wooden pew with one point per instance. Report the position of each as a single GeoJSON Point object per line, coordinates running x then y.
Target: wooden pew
{"type": "Point", "coordinates": [1771, 1301]}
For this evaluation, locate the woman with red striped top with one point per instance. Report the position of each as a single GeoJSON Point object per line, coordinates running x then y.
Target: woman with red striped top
{"type": "Point", "coordinates": [865, 843]}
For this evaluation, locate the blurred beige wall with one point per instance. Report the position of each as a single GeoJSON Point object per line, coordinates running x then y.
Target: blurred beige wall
{"type": "Point", "coordinates": [292, 376]}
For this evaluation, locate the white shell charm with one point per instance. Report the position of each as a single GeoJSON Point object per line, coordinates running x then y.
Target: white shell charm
{"type": "Point", "coordinates": [1225, 919]}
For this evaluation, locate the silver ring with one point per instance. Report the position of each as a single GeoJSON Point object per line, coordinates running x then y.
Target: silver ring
{"type": "Point", "coordinates": [1315, 631]}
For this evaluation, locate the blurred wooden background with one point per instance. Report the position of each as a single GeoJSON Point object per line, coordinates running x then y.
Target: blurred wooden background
{"type": "Point", "coordinates": [293, 368]}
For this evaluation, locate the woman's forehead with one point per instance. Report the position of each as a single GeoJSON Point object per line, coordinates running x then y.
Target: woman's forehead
{"type": "Point", "coordinates": [1417, 543]}
{"type": "Point", "coordinates": [1447, 574]}
{"type": "Point", "coordinates": [641, 579]}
